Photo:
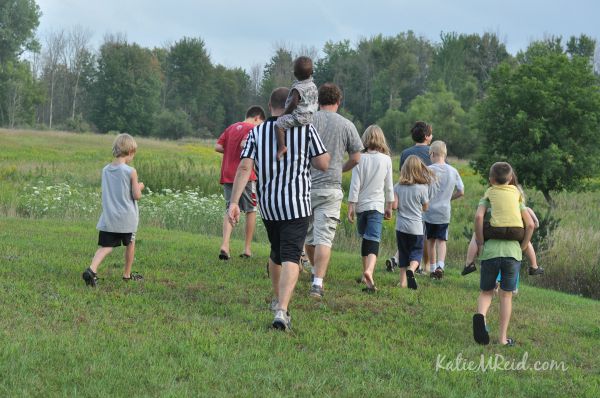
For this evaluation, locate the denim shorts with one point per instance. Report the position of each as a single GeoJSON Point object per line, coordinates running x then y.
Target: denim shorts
{"type": "Point", "coordinates": [369, 225]}
{"type": "Point", "coordinates": [509, 271]}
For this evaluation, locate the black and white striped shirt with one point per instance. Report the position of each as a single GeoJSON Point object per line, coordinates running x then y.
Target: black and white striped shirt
{"type": "Point", "coordinates": [283, 186]}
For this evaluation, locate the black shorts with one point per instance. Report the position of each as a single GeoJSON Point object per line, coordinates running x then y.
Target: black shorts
{"type": "Point", "coordinates": [436, 231]}
{"type": "Point", "coordinates": [287, 239]}
{"type": "Point", "coordinates": [114, 239]}
{"type": "Point", "coordinates": [410, 248]}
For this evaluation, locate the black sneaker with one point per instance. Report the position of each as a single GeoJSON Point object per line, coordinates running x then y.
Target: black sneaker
{"type": "Point", "coordinates": [468, 269]}
{"type": "Point", "coordinates": [90, 277]}
{"type": "Point", "coordinates": [390, 264]}
{"type": "Point", "coordinates": [536, 271]}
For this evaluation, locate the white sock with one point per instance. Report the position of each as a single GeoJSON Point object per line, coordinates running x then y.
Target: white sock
{"type": "Point", "coordinates": [441, 265]}
{"type": "Point", "coordinates": [312, 270]}
{"type": "Point", "coordinates": [318, 281]}
{"type": "Point", "coordinates": [432, 267]}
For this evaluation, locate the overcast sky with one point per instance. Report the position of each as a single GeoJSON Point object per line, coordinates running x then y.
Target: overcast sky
{"type": "Point", "coordinates": [245, 32]}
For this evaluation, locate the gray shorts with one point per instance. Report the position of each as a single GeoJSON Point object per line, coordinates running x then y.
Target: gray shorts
{"type": "Point", "coordinates": [247, 200]}
{"type": "Point", "coordinates": [325, 217]}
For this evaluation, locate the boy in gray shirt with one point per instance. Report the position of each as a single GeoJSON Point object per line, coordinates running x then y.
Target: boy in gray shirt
{"type": "Point", "coordinates": [449, 186]}
{"type": "Point", "coordinates": [119, 219]}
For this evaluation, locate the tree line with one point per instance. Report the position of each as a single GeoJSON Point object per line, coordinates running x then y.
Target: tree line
{"type": "Point", "coordinates": [480, 99]}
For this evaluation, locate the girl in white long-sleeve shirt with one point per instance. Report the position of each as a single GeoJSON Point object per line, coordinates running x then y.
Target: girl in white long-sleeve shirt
{"type": "Point", "coordinates": [371, 198]}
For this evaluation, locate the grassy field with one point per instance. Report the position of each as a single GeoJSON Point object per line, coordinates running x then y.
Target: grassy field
{"type": "Point", "coordinates": [57, 175]}
{"type": "Point", "coordinates": [200, 327]}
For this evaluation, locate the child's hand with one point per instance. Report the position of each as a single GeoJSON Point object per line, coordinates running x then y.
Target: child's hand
{"type": "Point", "coordinates": [141, 185]}
{"type": "Point", "coordinates": [388, 214]}
{"type": "Point", "coordinates": [351, 213]}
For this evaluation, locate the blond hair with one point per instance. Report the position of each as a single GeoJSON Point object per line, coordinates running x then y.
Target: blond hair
{"type": "Point", "coordinates": [414, 171]}
{"type": "Point", "coordinates": [438, 148]}
{"type": "Point", "coordinates": [373, 139]}
{"type": "Point", "coordinates": [123, 145]}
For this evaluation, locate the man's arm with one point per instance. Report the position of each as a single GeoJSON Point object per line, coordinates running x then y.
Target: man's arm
{"type": "Point", "coordinates": [529, 227]}
{"type": "Point", "coordinates": [239, 183]}
{"type": "Point", "coordinates": [321, 162]}
{"type": "Point", "coordinates": [457, 194]}
{"type": "Point", "coordinates": [352, 161]}
{"type": "Point", "coordinates": [219, 148]}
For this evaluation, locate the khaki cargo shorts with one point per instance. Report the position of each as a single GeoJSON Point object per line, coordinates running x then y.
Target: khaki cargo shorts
{"type": "Point", "coordinates": [325, 217]}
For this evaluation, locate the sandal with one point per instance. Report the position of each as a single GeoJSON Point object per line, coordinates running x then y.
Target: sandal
{"type": "Point", "coordinates": [480, 332]}
{"type": "Point", "coordinates": [134, 277]}
{"type": "Point", "coordinates": [223, 255]}
{"type": "Point", "coordinates": [468, 269]}
{"type": "Point", "coordinates": [536, 271]}
{"type": "Point", "coordinates": [410, 280]}
{"type": "Point", "coordinates": [368, 289]}
{"type": "Point", "coordinates": [510, 342]}
{"type": "Point", "coordinates": [244, 255]}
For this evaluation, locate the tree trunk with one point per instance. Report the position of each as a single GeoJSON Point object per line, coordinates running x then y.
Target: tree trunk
{"type": "Point", "coordinates": [549, 199]}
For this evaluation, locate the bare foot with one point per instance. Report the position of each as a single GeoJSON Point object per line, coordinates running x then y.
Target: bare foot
{"type": "Point", "coordinates": [368, 279]}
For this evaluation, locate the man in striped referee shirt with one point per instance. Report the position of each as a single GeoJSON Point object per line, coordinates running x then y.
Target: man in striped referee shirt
{"type": "Point", "coordinates": [283, 188]}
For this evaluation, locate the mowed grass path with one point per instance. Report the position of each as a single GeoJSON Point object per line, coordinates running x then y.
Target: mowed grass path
{"type": "Point", "coordinates": [200, 327]}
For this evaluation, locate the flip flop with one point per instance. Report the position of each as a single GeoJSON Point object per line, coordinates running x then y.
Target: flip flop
{"type": "Point", "coordinates": [223, 255]}
{"type": "Point", "coordinates": [480, 332]}
{"type": "Point", "coordinates": [244, 255]}
{"type": "Point", "coordinates": [510, 342]}
{"type": "Point", "coordinates": [371, 289]}
{"type": "Point", "coordinates": [410, 280]}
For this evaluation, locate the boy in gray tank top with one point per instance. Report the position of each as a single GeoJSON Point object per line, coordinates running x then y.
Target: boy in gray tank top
{"type": "Point", "coordinates": [301, 103]}
{"type": "Point", "coordinates": [119, 219]}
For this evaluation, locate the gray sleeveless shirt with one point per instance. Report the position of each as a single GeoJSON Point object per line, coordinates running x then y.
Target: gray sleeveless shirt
{"type": "Point", "coordinates": [119, 209]}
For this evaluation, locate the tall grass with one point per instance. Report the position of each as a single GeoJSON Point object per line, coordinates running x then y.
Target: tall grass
{"type": "Point", "coordinates": [185, 194]}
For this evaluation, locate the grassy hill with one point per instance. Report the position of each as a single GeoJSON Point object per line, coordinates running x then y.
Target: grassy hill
{"type": "Point", "coordinates": [198, 326]}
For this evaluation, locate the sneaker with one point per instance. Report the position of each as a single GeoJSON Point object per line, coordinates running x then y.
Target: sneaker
{"type": "Point", "coordinates": [274, 304]}
{"type": "Point", "coordinates": [282, 320]}
{"type": "Point", "coordinates": [316, 291]}
{"type": "Point", "coordinates": [439, 273]}
{"type": "Point", "coordinates": [90, 277]}
{"type": "Point", "coordinates": [419, 271]}
{"type": "Point", "coordinates": [536, 271]}
{"type": "Point", "coordinates": [468, 269]}
{"type": "Point", "coordinates": [390, 264]}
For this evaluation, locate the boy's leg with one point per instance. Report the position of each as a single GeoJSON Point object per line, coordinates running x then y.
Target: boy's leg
{"type": "Point", "coordinates": [403, 282]}
{"type": "Point", "coordinates": [129, 256]}
{"type": "Point", "coordinates": [227, 228]}
{"type": "Point", "coordinates": [275, 274]}
{"type": "Point", "coordinates": [505, 312]}
{"type": "Point", "coordinates": [441, 252]}
{"type": "Point", "coordinates": [101, 253]}
{"type": "Point", "coordinates": [430, 245]}
{"type": "Point", "coordinates": [281, 148]}
{"type": "Point", "coordinates": [250, 225]}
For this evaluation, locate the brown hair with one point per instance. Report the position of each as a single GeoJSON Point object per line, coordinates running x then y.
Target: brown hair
{"type": "Point", "coordinates": [373, 139]}
{"type": "Point", "coordinates": [501, 173]}
{"type": "Point", "coordinates": [329, 94]}
{"type": "Point", "coordinates": [303, 68]}
{"type": "Point", "coordinates": [255, 111]}
{"type": "Point", "coordinates": [419, 131]}
{"type": "Point", "coordinates": [414, 171]}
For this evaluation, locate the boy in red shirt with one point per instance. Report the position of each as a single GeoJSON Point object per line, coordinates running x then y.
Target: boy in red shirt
{"type": "Point", "coordinates": [230, 144]}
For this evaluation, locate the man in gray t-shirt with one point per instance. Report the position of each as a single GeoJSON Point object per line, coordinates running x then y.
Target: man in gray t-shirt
{"type": "Point", "coordinates": [339, 137]}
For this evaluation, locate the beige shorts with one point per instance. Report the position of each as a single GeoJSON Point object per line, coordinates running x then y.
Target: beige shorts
{"type": "Point", "coordinates": [325, 217]}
